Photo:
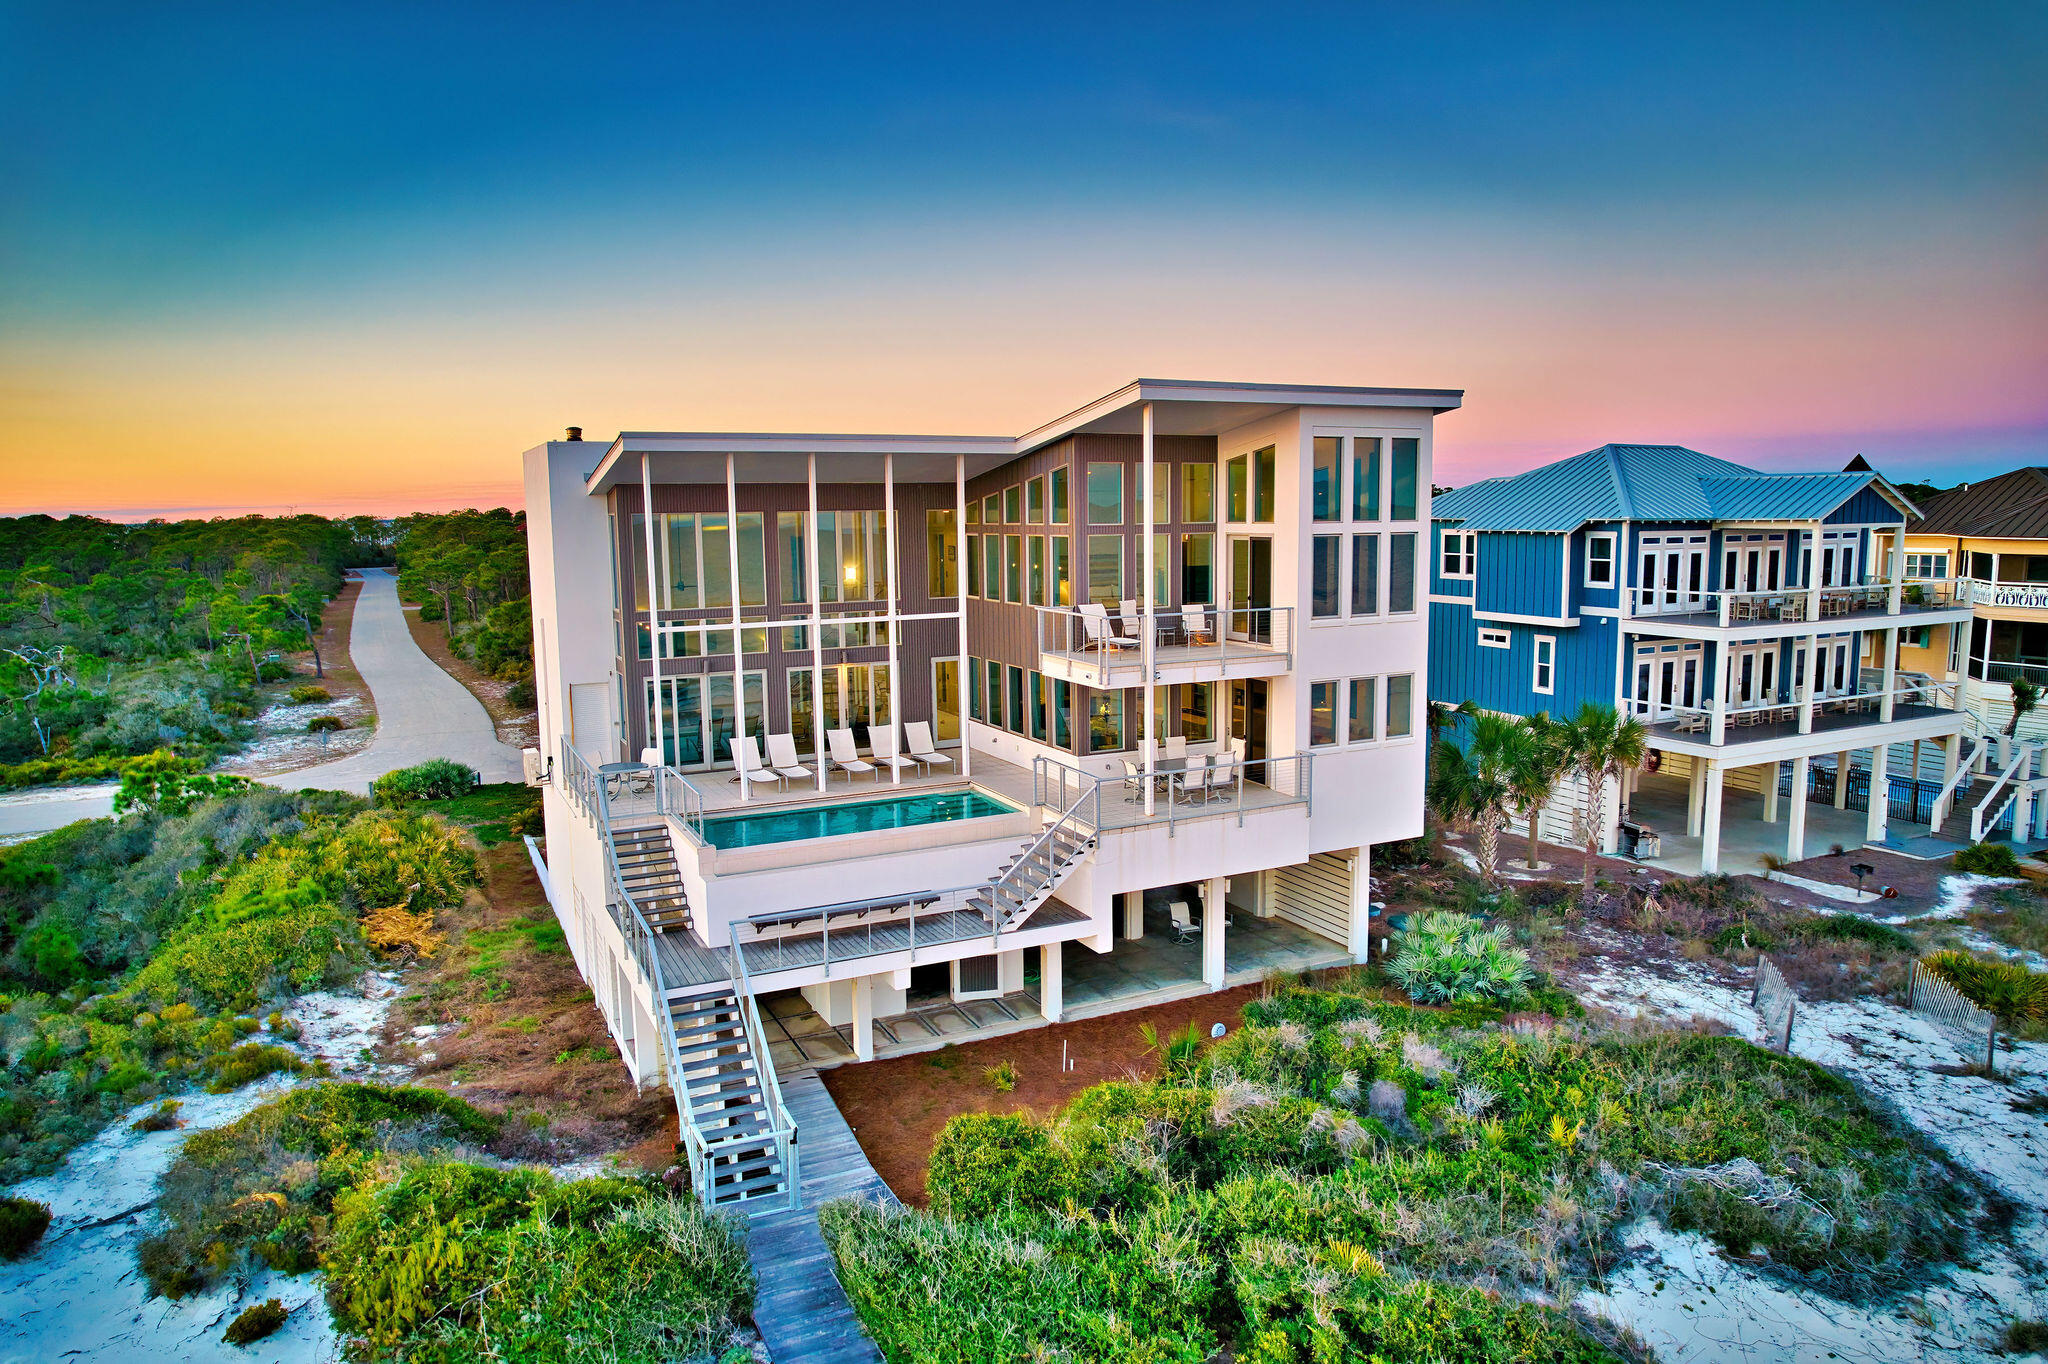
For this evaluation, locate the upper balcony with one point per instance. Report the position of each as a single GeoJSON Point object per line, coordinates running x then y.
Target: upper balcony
{"type": "Point", "coordinates": [1684, 614]}
{"type": "Point", "coordinates": [1104, 649]}
{"type": "Point", "coordinates": [1757, 731]}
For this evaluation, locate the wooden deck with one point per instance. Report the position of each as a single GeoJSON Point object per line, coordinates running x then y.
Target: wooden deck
{"type": "Point", "coordinates": [799, 1306]}
{"type": "Point", "coordinates": [939, 929]}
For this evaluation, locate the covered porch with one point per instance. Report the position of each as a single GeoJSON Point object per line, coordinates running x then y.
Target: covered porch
{"type": "Point", "coordinates": [1753, 820]}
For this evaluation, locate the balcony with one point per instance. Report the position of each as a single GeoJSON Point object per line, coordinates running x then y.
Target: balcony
{"type": "Point", "coordinates": [1762, 730]}
{"type": "Point", "coordinates": [1105, 650]}
{"type": "Point", "coordinates": [1793, 610]}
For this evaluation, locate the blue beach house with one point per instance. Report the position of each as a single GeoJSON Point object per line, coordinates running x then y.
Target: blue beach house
{"type": "Point", "coordinates": [1731, 610]}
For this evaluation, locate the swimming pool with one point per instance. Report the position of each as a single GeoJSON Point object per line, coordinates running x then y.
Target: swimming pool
{"type": "Point", "coordinates": [851, 817]}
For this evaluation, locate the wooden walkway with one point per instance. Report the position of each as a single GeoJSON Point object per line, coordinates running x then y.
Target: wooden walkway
{"type": "Point", "coordinates": [801, 1310]}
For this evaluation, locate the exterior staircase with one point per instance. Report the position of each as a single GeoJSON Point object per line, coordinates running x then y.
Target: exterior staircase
{"type": "Point", "coordinates": [1030, 877]}
{"type": "Point", "coordinates": [721, 1090]}
{"type": "Point", "coordinates": [647, 869]}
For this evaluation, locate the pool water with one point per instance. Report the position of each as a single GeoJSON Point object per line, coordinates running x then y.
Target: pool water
{"type": "Point", "coordinates": [851, 817]}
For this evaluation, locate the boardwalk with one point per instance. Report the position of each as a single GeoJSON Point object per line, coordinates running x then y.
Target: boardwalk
{"type": "Point", "coordinates": [802, 1311]}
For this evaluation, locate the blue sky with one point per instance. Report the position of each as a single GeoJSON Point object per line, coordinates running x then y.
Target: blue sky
{"type": "Point", "coordinates": [1778, 233]}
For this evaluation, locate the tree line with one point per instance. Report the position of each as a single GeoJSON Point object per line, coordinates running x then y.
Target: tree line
{"type": "Point", "coordinates": [118, 639]}
{"type": "Point", "coordinates": [468, 569]}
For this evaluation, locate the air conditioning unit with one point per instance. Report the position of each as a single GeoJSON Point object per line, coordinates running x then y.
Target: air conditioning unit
{"type": "Point", "coordinates": [536, 770]}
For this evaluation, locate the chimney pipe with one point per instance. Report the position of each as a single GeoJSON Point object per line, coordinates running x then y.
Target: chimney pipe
{"type": "Point", "coordinates": [575, 433]}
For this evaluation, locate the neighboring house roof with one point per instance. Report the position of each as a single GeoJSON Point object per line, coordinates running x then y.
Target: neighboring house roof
{"type": "Point", "coordinates": [1648, 483]}
{"type": "Point", "coordinates": [2012, 506]}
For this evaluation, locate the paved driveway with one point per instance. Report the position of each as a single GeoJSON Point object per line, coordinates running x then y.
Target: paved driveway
{"type": "Point", "coordinates": [422, 713]}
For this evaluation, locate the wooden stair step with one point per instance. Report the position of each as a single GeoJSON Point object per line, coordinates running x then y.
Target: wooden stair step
{"type": "Point", "coordinates": [748, 1188]}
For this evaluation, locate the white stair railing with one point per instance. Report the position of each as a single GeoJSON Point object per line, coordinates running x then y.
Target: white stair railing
{"type": "Point", "coordinates": [1944, 800]}
{"type": "Point", "coordinates": [1985, 813]}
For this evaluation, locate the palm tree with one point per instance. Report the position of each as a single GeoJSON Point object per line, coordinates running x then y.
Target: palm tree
{"type": "Point", "coordinates": [1598, 744]}
{"type": "Point", "coordinates": [1479, 783]}
{"type": "Point", "coordinates": [1436, 718]}
{"type": "Point", "coordinates": [1539, 762]}
{"type": "Point", "coordinates": [2026, 694]}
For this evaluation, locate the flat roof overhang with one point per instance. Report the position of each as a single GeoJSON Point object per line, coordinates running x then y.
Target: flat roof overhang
{"type": "Point", "coordinates": [1180, 407]}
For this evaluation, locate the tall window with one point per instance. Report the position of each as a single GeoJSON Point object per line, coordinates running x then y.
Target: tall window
{"type": "Point", "coordinates": [1013, 505]}
{"type": "Point", "coordinates": [696, 553]}
{"type": "Point", "coordinates": [1162, 493]}
{"type": "Point", "coordinates": [992, 567]}
{"type": "Point", "coordinates": [1034, 570]}
{"type": "Point", "coordinates": [1062, 714]}
{"type": "Point", "coordinates": [789, 558]}
{"type": "Point", "coordinates": [1105, 568]}
{"type": "Point", "coordinates": [1105, 721]}
{"type": "Point", "coordinates": [1105, 494]}
{"type": "Point", "coordinates": [1324, 575]}
{"type": "Point", "coordinates": [974, 690]}
{"type": "Point", "coordinates": [1461, 553]}
{"type": "Point", "coordinates": [1034, 703]}
{"type": "Point", "coordinates": [853, 555]}
{"type": "Point", "coordinates": [1364, 709]}
{"type": "Point", "coordinates": [974, 565]}
{"type": "Point", "coordinates": [992, 509]}
{"type": "Point", "coordinates": [1600, 559]}
{"type": "Point", "coordinates": [1545, 680]}
{"type": "Point", "coordinates": [1014, 702]}
{"type": "Point", "coordinates": [941, 552]}
{"type": "Point", "coordinates": [1236, 488]}
{"type": "Point", "coordinates": [1407, 461]}
{"type": "Point", "coordinates": [1056, 483]}
{"type": "Point", "coordinates": [1198, 493]}
{"type": "Point", "coordinates": [1365, 575]}
{"type": "Point", "coordinates": [1034, 501]}
{"type": "Point", "coordinates": [1162, 567]}
{"type": "Point", "coordinates": [1198, 567]}
{"type": "Point", "coordinates": [1365, 478]}
{"type": "Point", "coordinates": [1062, 571]}
{"type": "Point", "coordinates": [1264, 466]}
{"type": "Point", "coordinates": [995, 693]}
{"type": "Point", "coordinates": [1013, 568]}
{"type": "Point", "coordinates": [1400, 706]}
{"type": "Point", "coordinates": [1322, 714]}
{"type": "Point", "coordinates": [1327, 477]}
{"type": "Point", "coordinates": [1401, 573]}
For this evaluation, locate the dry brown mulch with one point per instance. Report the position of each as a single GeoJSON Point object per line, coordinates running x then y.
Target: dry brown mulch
{"type": "Point", "coordinates": [516, 725]}
{"type": "Point", "coordinates": [896, 1107]}
{"type": "Point", "coordinates": [515, 1026]}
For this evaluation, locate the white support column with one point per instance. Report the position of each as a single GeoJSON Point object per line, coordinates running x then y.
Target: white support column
{"type": "Point", "coordinates": [1809, 684]}
{"type": "Point", "coordinates": [895, 625]}
{"type": "Point", "coordinates": [1710, 819]}
{"type": "Point", "coordinates": [1770, 771]}
{"type": "Point", "coordinates": [1695, 797]}
{"type": "Point", "coordinates": [1951, 757]}
{"type": "Point", "coordinates": [863, 1016]}
{"type": "Point", "coordinates": [656, 729]}
{"type": "Point", "coordinates": [1813, 572]}
{"type": "Point", "coordinates": [1361, 904]}
{"type": "Point", "coordinates": [1897, 571]}
{"type": "Point", "coordinates": [1052, 994]}
{"type": "Point", "coordinates": [1149, 645]}
{"type": "Point", "coordinates": [965, 683]}
{"type": "Point", "coordinates": [1724, 682]}
{"type": "Point", "coordinates": [1874, 824]}
{"type": "Point", "coordinates": [1134, 914]}
{"type": "Point", "coordinates": [1887, 703]}
{"type": "Point", "coordinates": [1842, 780]}
{"type": "Point", "coordinates": [1795, 838]}
{"type": "Point", "coordinates": [739, 636]}
{"type": "Point", "coordinates": [2022, 814]}
{"type": "Point", "coordinates": [817, 634]}
{"type": "Point", "coordinates": [1214, 894]}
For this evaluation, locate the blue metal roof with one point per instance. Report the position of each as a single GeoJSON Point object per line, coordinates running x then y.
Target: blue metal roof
{"type": "Point", "coordinates": [1644, 483]}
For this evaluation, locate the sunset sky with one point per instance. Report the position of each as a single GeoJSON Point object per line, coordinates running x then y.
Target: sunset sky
{"type": "Point", "coordinates": [355, 257]}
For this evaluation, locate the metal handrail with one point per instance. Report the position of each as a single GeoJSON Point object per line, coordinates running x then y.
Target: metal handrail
{"type": "Point", "coordinates": [1050, 774]}
{"type": "Point", "coordinates": [579, 780]}
{"type": "Point", "coordinates": [781, 1126]}
{"type": "Point", "coordinates": [2022, 754]}
{"type": "Point", "coordinates": [1232, 632]}
{"type": "Point", "coordinates": [677, 797]}
{"type": "Point", "coordinates": [1071, 814]}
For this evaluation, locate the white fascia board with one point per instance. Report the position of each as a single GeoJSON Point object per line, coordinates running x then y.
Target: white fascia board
{"type": "Point", "coordinates": [1513, 619]}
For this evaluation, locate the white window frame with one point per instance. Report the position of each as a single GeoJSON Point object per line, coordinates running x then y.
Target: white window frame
{"type": "Point", "coordinates": [1544, 662]}
{"type": "Point", "coordinates": [1926, 561]}
{"type": "Point", "coordinates": [1494, 639]}
{"type": "Point", "coordinates": [1466, 552]}
{"type": "Point", "coordinates": [1613, 556]}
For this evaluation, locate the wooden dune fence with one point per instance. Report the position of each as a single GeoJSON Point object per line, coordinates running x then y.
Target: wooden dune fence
{"type": "Point", "coordinates": [1775, 1004]}
{"type": "Point", "coordinates": [1973, 1032]}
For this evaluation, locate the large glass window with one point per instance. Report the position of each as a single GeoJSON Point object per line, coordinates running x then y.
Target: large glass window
{"type": "Point", "coordinates": [1056, 482]}
{"type": "Point", "coordinates": [995, 693]}
{"type": "Point", "coordinates": [1401, 573]}
{"type": "Point", "coordinates": [1365, 575]}
{"type": "Point", "coordinates": [753, 559]}
{"type": "Point", "coordinates": [1325, 573]}
{"type": "Point", "coordinates": [1406, 461]}
{"type": "Point", "coordinates": [1239, 508]}
{"type": "Point", "coordinates": [1015, 699]}
{"type": "Point", "coordinates": [789, 558]}
{"type": "Point", "coordinates": [1063, 714]}
{"type": "Point", "coordinates": [1013, 505]}
{"type": "Point", "coordinates": [684, 582]}
{"type": "Point", "coordinates": [1106, 568]}
{"type": "Point", "coordinates": [940, 553]}
{"type": "Point", "coordinates": [1322, 714]}
{"type": "Point", "coordinates": [945, 700]}
{"type": "Point", "coordinates": [1197, 711]}
{"type": "Point", "coordinates": [974, 565]}
{"type": "Point", "coordinates": [992, 510]}
{"type": "Point", "coordinates": [1198, 493]}
{"type": "Point", "coordinates": [1034, 570]}
{"type": "Point", "coordinates": [1034, 501]}
{"type": "Point", "coordinates": [1013, 568]}
{"type": "Point", "coordinates": [1162, 568]}
{"type": "Point", "coordinates": [1365, 478]}
{"type": "Point", "coordinates": [1034, 703]}
{"type": "Point", "coordinates": [975, 709]}
{"type": "Point", "coordinates": [1327, 479]}
{"type": "Point", "coordinates": [1198, 567]}
{"type": "Point", "coordinates": [1365, 708]}
{"type": "Point", "coordinates": [1105, 721]}
{"type": "Point", "coordinates": [1062, 571]}
{"type": "Point", "coordinates": [1264, 464]}
{"type": "Point", "coordinates": [1400, 706]}
{"type": "Point", "coordinates": [1105, 494]}
{"type": "Point", "coordinates": [1162, 493]}
{"type": "Point", "coordinates": [717, 559]}
{"type": "Point", "coordinates": [992, 567]}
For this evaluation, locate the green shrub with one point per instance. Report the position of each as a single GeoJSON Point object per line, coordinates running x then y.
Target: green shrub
{"type": "Point", "coordinates": [235, 966]}
{"type": "Point", "coordinates": [1850, 928]}
{"type": "Point", "coordinates": [325, 724]}
{"type": "Point", "coordinates": [983, 1161]}
{"type": "Point", "coordinates": [271, 670]}
{"type": "Point", "coordinates": [2007, 989]}
{"type": "Point", "coordinates": [436, 779]}
{"type": "Point", "coordinates": [308, 694]}
{"type": "Point", "coordinates": [162, 1118]}
{"type": "Point", "coordinates": [22, 1224]}
{"type": "Point", "coordinates": [256, 1322]}
{"type": "Point", "coordinates": [1987, 859]}
{"type": "Point", "coordinates": [1448, 958]}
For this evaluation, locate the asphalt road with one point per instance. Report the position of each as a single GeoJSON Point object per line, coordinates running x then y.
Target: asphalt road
{"type": "Point", "coordinates": [422, 713]}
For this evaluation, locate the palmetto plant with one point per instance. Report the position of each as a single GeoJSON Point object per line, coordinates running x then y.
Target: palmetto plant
{"type": "Point", "coordinates": [1485, 781]}
{"type": "Point", "coordinates": [1599, 744]}
{"type": "Point", "coordinates": [1447, 958]}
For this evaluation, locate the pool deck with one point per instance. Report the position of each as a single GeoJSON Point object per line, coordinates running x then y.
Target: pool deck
{"type": "Point", "coordinates": [842, 811]}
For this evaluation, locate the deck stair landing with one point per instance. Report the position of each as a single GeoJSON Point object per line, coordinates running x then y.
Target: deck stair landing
{"type": "Point", "coordinates": [647, 869]}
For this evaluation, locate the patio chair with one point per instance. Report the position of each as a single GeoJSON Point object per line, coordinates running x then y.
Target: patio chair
{"type": "Point", "coordinates": [917, 736]}
{"type": "Point", "coordinates": [1100, 631]}
{"type": "Point", "coordinates": [782, 757]}
{"type": "Point", "coordinates": [845, 756]}
{"type": "Point", "coordinates": [1176, 746]}
{"type": "Point", "coordinates": [882, 742]}
{"type": "Point", "coordinates": [747, 764]}
{"type": "Point", "coordinates": [1134, 783]}
{"type": "Point", "coordinates": [1194, 625]}
{"type": "Point", "coordinates": [1222, 779]}
{"type": "Point", "coordinates": [1126, 625]}
{"type": "Point", "coordinates": [1185, 929]}
{"type": "Point", "coordinates": [1195, 780]}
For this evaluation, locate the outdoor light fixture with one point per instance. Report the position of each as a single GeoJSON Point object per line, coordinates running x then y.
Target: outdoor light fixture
{"type": "Point", "coordinates": [1862, 869]}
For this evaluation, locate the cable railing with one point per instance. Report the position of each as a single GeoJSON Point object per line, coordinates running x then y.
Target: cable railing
{"type": "Point", "coordinates": [1797, 603]}
{"type": "Point", "coordinates": [1179, 792]}
{"type": "Point", "coordinates": [676, 797]}
{"type": "Point", "coordinates": [1108, 640]}
{"type": "Point", "coordinates": [782, 1127]}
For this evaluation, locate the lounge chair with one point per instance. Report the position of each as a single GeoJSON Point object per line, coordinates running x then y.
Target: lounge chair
{"type": "Point", "coordinates": [845, 756]}
{"type": "Point", "coordinates": [1101, 632]}
{"type": "Point", "coordinates": [747, 764]}
{"type": "Point", "coordinates": [782, 757]}
{"type": "Point", "coordinates": [882, 740]}
{"type": "Point", "coordinates": [1194, 625]}
{"type": "Point", "coordinates": [917, 736]}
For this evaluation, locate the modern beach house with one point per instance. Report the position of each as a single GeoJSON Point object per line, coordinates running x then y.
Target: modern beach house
{"type": "Point", "coordinates": [1730, 610]}
{"type": "Point", "coordinates": [861, 743]}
